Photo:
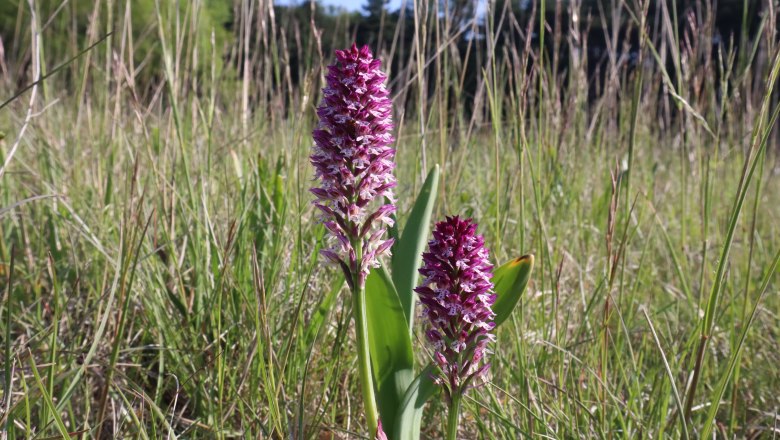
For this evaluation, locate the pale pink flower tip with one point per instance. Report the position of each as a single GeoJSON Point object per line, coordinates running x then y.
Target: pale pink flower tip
{"type": "Point", "coordinates": [380, 434]}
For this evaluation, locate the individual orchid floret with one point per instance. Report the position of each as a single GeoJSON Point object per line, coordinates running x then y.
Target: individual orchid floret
{"type": "Point", "coordinates": [353, 161]}
{"type": "Point", "coordinates": [457, 298]}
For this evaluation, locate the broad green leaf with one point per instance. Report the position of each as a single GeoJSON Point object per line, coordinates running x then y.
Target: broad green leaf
{"type": "Point", "coordinates": [390, 344]}
{"type": "Point", "coordinates": [409, 417]}
{"type": "Point", "coordinates": [510, 280]}
{"type": "Point", "coordinates": [407, 255]}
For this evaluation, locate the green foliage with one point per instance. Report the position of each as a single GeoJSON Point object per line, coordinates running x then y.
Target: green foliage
{"type": "Point", "coordinates": [407, 252]}
{"type": "Point", "coordinates": [69, 29]}
{"type": "Point", "coordinates": [390, 311]}
{"type": "Point", "coordinates": [392, 359]}
{"type": "Point", "coordinates": [219, 320]}
{"type": "Point", "coordinates": [409, 419]}
{"type": "Point", "coordinates": [510, 281]}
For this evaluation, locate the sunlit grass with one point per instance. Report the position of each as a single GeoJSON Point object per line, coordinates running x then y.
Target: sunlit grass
{"type": "Point", "coordinates": [164, 250]}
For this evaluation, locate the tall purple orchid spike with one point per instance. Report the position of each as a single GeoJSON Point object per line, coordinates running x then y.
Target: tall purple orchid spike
{"type": "Point", "coordinates": [456, 293]}
{"type": "Point", "coordinates": [353, 161]}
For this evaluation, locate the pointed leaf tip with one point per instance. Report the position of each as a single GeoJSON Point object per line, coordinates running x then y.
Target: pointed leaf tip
{"type": "Point", "coordinates": [510, 281]}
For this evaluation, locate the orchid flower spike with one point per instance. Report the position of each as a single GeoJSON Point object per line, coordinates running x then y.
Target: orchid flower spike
{"type": "Point", "coordinates": [353, 162]}
{"type": "Point", "coordinates": [457, 298]}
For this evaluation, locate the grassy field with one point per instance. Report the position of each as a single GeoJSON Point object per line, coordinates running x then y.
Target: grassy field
{"type": "Point", "coordinates": [158, 247]}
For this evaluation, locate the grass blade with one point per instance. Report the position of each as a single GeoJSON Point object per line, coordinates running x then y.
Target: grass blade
{"type": "Point", "coordinates": [758, 145]}
{"type": "Point", "coordinates": [47, 400]}
{"type": "Point", "coordinates": [737, 351]}
{"type": "Point", "coordinates": [676, 394]}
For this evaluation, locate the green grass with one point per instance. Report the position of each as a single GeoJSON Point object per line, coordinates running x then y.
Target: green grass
{"type": "Point", "coordinates": [159, 251]}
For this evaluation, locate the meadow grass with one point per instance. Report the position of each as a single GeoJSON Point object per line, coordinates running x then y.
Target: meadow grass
{"type": "Point", "coordinates": [159, 249]}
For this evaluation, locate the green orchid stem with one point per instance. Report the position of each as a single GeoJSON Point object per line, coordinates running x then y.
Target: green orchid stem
{"type": "Point", "coordinates": [364, 358]}
{"type": "Point", "coordinates": [454, 416]}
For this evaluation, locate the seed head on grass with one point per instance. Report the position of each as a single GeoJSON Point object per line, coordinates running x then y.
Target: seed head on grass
{"type": "Point", "coordinates": [457, 296]}
{"type": "Point", "coordinates": [353, 161]}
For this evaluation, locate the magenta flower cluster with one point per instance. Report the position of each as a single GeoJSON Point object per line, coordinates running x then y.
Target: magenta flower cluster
{"type": "Point", "coordinates": [457, 297]}
{"type": "Point", "coordinates": [353, 161]}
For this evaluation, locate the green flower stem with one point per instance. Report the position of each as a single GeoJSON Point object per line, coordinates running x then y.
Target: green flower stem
{"type": "Point", "coordinates": [364, 356]}
{"type": "Point", "coordinates": [454, 416]}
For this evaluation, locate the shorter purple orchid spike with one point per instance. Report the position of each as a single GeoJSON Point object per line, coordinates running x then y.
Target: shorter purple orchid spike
{"type": "Point", "coordinates": [457, 298]}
